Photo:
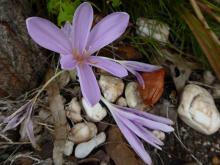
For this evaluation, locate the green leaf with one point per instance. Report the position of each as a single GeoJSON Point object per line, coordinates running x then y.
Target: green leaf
{"type": "Point", "coordinates": [116, 3]}
{"type": "Point", "coordinates": [67, 10]}
{"type": "Point", "coordinates": [53, 6]}
{"type": "Point", "coordinates": [64, 9]}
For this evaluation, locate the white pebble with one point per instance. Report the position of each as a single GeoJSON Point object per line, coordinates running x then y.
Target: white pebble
{"type": "Point", "coordinates": [159, 134]}
{"type": "Point", "coordinates": [198, 110]}
{"type": "Point", "coordinates": [84, 149]}
{"type": "Point", "coordinates": [153, 28]}
{"type": "Point", "coordinates": [73, 111]}
{"type": "Point", "coordinates": [82, 132]}
{"type": "Point", "coordinates": [122, 102]}
{"type": "Point", "coordinates": [68, 149]}
{"type": "Point", "coordinates": [216, 91]}
{"type": "Point", "coordinates": [111, 87]}
{"type": "Point", "coordinates": [208, 77]}
{"type": "Point", "coordinates": [95, 113]}
{"type": "Point", "coordinates": [132, 95]}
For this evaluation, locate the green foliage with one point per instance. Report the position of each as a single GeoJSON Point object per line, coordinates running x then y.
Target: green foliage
{"type": "Point", "coordinates": [53, 6]}
{"type": "Point", "coordinates": [146, 46]}
{"type": "Point", "coordinates": [169, 12]}
{"type": "Point", "coordinates": [116, 3]}
{"type": "Point", "coordinates": [63, 9]}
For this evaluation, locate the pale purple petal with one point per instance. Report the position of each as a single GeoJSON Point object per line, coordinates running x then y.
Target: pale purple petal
{"type": "Point", "coordinates": [106, 31]}
{"type": "Point", "coordinates": [139, 66]}
{"type": "Point", "coordinates": [66, 29]}
{"type": "Point", "coordinates": [30, 132]}
{"type": "Point", "coordinates": [14, 122]}
{"type": "Point", "coordinates": [108, 65]}
{"type": "Point", "coordinates": [88, 83]}
{"type": "Point", "coordinates": [140, 79]}
{"type": "Point", "coordinates": [18, 116]}
{"type": "Point", "coordinates": [146, 122]}
{"type": "Point", "coordinates": [138, 76]}
{"type": "Point", "coordinates": [131, 124]}
{"type": "Point", "coordinates": [48, 35]}
{"type": "Point", "coordinates": [82, 22]}
{"type": "Point", "coordinates": [67, 62]}
{"type": "Point", "coordinates": [149, 134]}
{"type": "Point", "coordinates": [18, 112]}
{"type": "Point", "coordinates": [138, 147]}
{"type": "Point", "coordinates": [133, 140]}
{"type": "Point", "coordinates": [142, 134]}
{"type": "Point", "coordinates": [147, 115]}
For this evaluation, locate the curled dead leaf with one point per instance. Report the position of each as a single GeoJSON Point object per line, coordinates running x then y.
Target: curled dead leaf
{"type": "Point", "coordinates": [154, 86]}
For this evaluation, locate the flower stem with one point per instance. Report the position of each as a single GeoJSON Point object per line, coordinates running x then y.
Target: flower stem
{"type": "Point", "coordinates": [46, 84]}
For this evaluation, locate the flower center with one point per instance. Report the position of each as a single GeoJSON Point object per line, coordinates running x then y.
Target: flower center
{"type": "Point", "coordinates": [80, 58]}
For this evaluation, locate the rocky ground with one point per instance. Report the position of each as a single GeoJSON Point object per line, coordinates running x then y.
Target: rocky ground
{"type": "Point", "coordinates": [181, 91]}
{"type": "Point", "coordinates": [93, 138]}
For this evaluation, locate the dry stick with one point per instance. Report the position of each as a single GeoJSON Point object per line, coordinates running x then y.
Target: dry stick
{"type": "Point", "coordinates": [58, 113]}
{"type": "Point", "coordinates": [202, 19]}
{"type": "Point", "coordinates": [183, 145]}
{"type": "Point", "coordinates": [209, 11]}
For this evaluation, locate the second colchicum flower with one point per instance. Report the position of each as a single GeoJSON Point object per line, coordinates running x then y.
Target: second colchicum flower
{"type": "Point", "coordinates": [76, 43]}
{"type": "Point", "coordinates": [22, 115]}
{"type": "Point", "coordinates": [135, 124]}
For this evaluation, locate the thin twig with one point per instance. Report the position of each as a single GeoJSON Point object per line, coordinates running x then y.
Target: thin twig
{"type": "Point", "coordinates": [206, 9]}
{"type": "Point", "coordinates": [203, 21]}
{"type": "Point", "coordinates": [49, 81]}
{"type": "Point", "coordinates": [47, 126]}
{"type": "Point", "coordinates": [26, 155]}
{"type": "Point", "coordinates": [11, 155]}
{"type": "Point", "coordinates": [6, 138]}
{"type": "Point", "coordinates": [14, 143]}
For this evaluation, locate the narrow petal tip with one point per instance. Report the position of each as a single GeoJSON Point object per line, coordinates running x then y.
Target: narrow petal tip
{"type": "Point", "coordinates": [168, 129]}
{"type": "Point", "coordinates": [108, 65]}
{"type": "Point", "coordinates": [126, 15]}
{"type": "Point", "coordinates": [82, 23]}
{"type": "Point", "coordinates": [107, 30]}
{"type": "Point", "coordinates": [88, 84]}
{"type": "Point", "coordinates": [48, 35]}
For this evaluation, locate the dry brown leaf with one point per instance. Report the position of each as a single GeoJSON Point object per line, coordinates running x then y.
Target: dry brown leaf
{"type": "Point", "coordinates": [119, 150]}
{"type": "Point", "coordinates": [154, 86]}
{"type": "Point", "coordinates": [128, 52]}
{"type": "Point", "coordinates": [100, 157]}
{"type": "Point", "coordinates": [57, 110]}
{"type": "Point", "coordinates": [205, 38]}
{"type": "Point", "coordinates": [24, 161]}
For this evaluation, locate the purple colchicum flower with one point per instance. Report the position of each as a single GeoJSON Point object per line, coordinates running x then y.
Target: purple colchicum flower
{"type": "Point", "coordinates": [134, 67]}
{"type": "Point", "coordinates": [22, 115]}
{"type": "Point", "coordinates": [135, 124]}
{"type": "Point", "coordinates": [76, 43]}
